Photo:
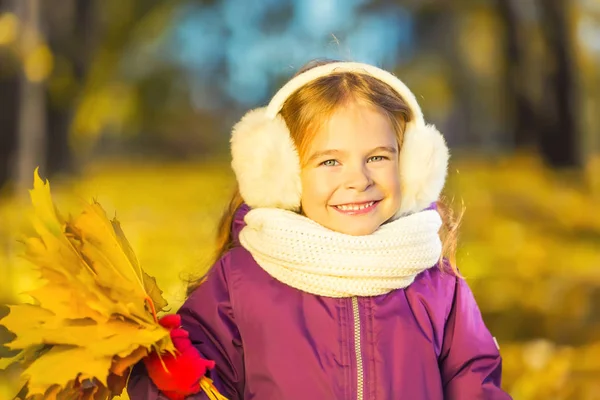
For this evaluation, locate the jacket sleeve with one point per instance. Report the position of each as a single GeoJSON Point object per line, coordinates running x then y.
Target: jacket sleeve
{"type": "Point", "coordinates": [208, 317]}
{"type": "Point", "coordinates": [470, 361]}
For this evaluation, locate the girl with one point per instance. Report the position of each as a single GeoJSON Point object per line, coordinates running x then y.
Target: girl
{"type": "Point", "coordinates": [333, 280]}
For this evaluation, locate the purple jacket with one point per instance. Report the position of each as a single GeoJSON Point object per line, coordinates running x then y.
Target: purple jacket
{"type": "Point", "coordinates": [271, 341]}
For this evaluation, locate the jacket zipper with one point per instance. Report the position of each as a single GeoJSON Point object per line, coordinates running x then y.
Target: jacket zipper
{"type": "Point", "coordinates": [357, 350]}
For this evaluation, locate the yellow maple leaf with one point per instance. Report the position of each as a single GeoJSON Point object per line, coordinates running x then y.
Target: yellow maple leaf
{"type": "Point", "coordinates": [149, 282]}
{"type": "Point", "coordinates": [36, 325]}
{"type": "Point", "coordinates": [62, 364]}
{"type": "Point", "coordinates": [95, 305]}
{"type": "Point", "coordinates": [62, 300]}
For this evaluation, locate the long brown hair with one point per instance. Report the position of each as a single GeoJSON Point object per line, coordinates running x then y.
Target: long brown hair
{"type": "Point", "coordinates": [312, 105]}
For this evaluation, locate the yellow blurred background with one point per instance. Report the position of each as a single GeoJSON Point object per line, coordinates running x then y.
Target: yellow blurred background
{"type": "Point", "coordinates": [130, 102]}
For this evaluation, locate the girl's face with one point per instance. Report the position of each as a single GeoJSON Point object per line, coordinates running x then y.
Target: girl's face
{"type": "Point", "coordinates": [350, 177]}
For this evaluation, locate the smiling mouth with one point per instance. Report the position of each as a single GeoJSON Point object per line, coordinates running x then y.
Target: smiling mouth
{"type": "Point", "coordinates": [356, 208]}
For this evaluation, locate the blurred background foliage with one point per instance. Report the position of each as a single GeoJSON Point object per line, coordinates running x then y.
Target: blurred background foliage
{"type": "Point", "coordinates": [131, 102]}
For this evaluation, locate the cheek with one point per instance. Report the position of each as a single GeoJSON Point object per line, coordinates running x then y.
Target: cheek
{"type": "Point", "coordinates": [317, 187]}
{"type": "Point", "coordinates": [389, 179]}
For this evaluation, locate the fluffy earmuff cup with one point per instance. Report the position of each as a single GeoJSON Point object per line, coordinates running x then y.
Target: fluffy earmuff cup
{"type": "Point", "coordinates": [265, 162]}
{"type": "Point", "coordinates": [423, 168]}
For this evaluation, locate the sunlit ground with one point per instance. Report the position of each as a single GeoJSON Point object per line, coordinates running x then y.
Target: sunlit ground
{"type": "Point", "coordinates": [530, 249]}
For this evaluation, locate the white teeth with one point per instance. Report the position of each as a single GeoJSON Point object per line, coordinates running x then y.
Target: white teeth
{"type": "Point", "coordinates": [355, 207]}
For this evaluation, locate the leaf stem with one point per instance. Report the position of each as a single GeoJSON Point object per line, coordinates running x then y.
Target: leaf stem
{"type": "Point", "coordinates": [151, 304]}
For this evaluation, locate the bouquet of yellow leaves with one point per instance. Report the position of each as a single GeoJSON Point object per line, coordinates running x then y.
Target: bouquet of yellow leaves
{"type": "Point", "coordinates": [94, 316]}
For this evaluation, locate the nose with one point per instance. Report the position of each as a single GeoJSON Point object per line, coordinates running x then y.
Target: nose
{"type": "Point", "coordinates": [357, 178]}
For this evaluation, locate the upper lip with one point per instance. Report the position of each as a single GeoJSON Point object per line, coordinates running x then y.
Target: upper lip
{"type": "Point", "coordinates": [355, 203]}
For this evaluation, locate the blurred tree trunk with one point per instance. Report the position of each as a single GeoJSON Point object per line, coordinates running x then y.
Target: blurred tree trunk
{"type": "Point", "coordinates": [31, 137]}
{"type": "Point", "coordinates": [558, 129]}
{"type": "Point", "coordinates": [9, 84]}
{"type": "Point", "coordinates": [70, 38]}
{"type": "Point", "coordinates": [35, 119]}
{"type": "Point", "coordinates": [9, 99]}
{"type": "Point", "coordinates": [464, 119]}
{"type": "Point", "coordinates": [518, 106]}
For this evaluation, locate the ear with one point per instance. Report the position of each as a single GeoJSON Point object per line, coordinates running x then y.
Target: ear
{"type": "Point", "coordinates": [265, 162]}
{"type": "Point", "coordinates": [423, 168]}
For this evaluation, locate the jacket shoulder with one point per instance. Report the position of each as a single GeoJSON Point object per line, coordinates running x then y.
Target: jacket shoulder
{"type": "Point", "coordinates": [241, 270]}
{"type": "Point", "coordinates": [438, 283]}
{"type": "Point", "coordinates": [238, 260]}
{"type": "Point", "coordinates": [431, 299]}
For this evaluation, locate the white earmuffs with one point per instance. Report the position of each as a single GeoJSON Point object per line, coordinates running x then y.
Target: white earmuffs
{"type": "Point", "coordinates": [267, 166]}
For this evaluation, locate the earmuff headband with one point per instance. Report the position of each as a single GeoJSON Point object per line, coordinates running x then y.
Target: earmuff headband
{"type": "Point", "coordinates": [315, 73]}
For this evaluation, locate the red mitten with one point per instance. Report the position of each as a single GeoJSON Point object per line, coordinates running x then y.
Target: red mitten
{"type": "Point", "coordinates": [183, 370]}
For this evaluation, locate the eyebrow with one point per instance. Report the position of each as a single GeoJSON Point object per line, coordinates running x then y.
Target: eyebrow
{"type": "Point", "coordinates": [389, 149]}
{"type": "Point", "coordinates": [320, 154]}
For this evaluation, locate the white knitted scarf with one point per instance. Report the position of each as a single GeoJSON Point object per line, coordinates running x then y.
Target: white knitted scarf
{"type": "Point", "coordinates": [307, 256]}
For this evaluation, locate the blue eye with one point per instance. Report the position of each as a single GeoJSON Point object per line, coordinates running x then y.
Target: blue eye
{"type": "Point", "coordinates": [329, 163]}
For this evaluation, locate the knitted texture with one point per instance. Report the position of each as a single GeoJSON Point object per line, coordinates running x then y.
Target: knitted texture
{"type": "Point", "coordinates": [307, 256]}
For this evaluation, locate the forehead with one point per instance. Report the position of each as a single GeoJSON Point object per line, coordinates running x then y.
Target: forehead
{"type": "Point", "coordinates": [355, 125]}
